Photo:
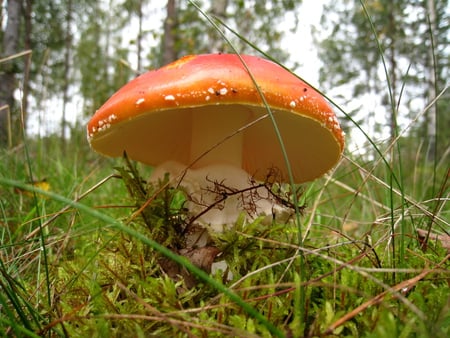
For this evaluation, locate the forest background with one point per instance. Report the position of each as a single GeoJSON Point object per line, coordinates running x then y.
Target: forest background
{"type": "Point", "coordinates": [66, 48]}
{"type": "Point", "coordinates": [370, 254]}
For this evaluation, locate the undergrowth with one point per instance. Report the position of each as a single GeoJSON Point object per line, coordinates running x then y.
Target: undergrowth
{"type": "Point", "coordinates": [104, 282]}
{"type": "Point", "coordinates": [78, 253]}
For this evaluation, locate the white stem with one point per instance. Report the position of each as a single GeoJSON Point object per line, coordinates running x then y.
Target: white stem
{"type": "Point", "coordinates": [198, 182]}
{"type": "Point", "coordinates": [204, 137]}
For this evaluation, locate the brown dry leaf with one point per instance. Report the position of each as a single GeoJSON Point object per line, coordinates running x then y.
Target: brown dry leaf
{"type": "Point", "coordinates": [444, 239]}
{"type": "Point", "coordinates": [201, 257]}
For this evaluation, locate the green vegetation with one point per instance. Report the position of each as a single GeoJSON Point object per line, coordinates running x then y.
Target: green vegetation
{"type": "Point", "coordinates": [66, 271]}
{"type": "Point", "coordinates": [88, 247]}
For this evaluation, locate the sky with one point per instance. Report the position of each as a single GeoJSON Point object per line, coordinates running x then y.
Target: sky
{"type": "Point", "coordinates": [300, 45]}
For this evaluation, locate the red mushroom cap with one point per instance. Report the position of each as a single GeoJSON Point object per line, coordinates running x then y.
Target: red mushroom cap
{"type": "Point", "coordinates": [181, 110]}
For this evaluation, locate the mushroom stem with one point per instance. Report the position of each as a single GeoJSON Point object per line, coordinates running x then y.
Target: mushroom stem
{"type": "Point", "coordinates": [199, 185]}
{"type": "Point", "coordinates": [205, 137]}
{"type": "Point", "coordinates": [218, 158]}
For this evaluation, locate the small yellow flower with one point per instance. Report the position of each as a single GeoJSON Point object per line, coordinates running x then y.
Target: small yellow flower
{"type": "Point", "coordinates": [42, 184]}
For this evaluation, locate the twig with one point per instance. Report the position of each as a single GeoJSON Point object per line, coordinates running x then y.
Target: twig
{"type": "Point", "coordinates": [67, 207]}
{"type": "Point", "coordinates": [405, 285]}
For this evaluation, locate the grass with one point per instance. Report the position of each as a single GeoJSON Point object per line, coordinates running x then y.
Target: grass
{"type": "Point", "coordinates": [77, 260]}
{"type": "Point", "coordinates": [104, 279]}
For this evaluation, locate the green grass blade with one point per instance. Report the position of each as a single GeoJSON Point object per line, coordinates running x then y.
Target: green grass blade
{"type": "Point", "coordinates": [11, 299]}
{"type": "Point", "coordinates": [156, 246]}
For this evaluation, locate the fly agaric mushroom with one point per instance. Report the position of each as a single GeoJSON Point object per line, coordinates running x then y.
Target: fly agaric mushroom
{"type": "Point", "coordinates": [183, 114]}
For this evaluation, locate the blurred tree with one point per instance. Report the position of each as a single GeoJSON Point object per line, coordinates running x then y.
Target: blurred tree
{"type": "Point", "coordinates": [41, 31]}
{"type": "Point", "coordinates": [100, 54]}
{"type": "Point", "coordinates": [46, 37]}
{"type": "Point", "coordinates": [169, 40]}
{"type": "Point", "coordinates": [437, 120]}
{"type": "Point", "coordinates": [8, 70]}
{"type": "Point", "coordinates": [351, 57]}
{"type": "Point", "coordinates": [136, 8]}
{"type": "Point", "coordinates": [186, 31]}
{"type": "Point", "coordinates": [88, 49]}
{"type": "Point", "coordinates": [28, 25]}
{"type": "Point", "coordinates": [68, 46]}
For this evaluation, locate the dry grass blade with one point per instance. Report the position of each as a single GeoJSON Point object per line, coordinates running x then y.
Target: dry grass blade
{"type": "Point", "coordinates": [407, 198]}
{"type": "Point", "coordinates": [15, 56]}
{"type": "Point", "coordinates": [403, 286]}
{"type": "Point", "coordinates": [67, 207]}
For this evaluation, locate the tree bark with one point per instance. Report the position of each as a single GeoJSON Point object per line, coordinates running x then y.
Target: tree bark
{"type": "Point", "coordinates": [67, 67]}
{"type": "Point", "coordinates": [392, 25]}
{"type": "Point", "coordinates": [169, 40]}
{"type": "Point", "coordinates": [219, 10]}
{"type": "Point", "coordinates": [139, 38]}
{"type": "Point", "coordinates": [432, 55]}
{"type": "Point", "coordinates": [8, 69]}
{"type": "Point", "coordinates": [27, 14]}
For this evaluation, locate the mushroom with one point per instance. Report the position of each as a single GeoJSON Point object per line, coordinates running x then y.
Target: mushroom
{"type": "Point", "coordinates": [205, 117]}
{"type": "Point", "coordinates": [186, 111]}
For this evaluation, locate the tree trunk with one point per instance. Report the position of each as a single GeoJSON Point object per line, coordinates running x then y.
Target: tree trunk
{"type": "Point", "coordinates": [139, 38]}
{"type": "Point", "coordinates": [27, 13]}
{"type": "Point", "coordinates": [218, 9]}
{"type": "Point", "coordinates": [431, 114]}
{"type": "Point", "coordinates": [67, 66]}
{"type": "Point", "coordinates": [8, 69]}
{"type": "Point", "coordinates": [169, 40]}
{"type": "Point", "coordinates": [393, 71]}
